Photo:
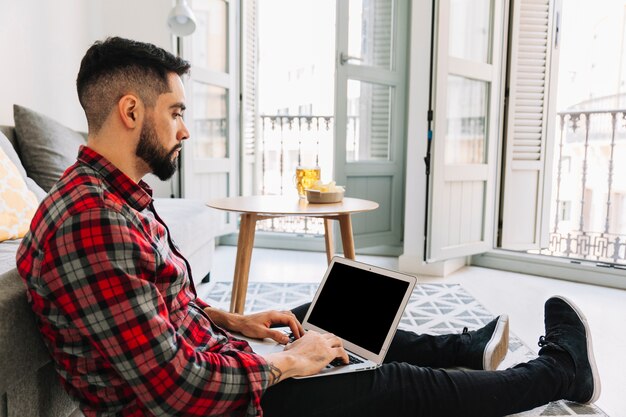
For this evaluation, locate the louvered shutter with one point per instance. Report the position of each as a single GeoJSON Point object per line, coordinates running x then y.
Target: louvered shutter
{"type": "Point", "coordinates": [529, 134]}
{"type": "Point", "coordinates": [249, 105]}
{"type": "Point", "coordinates": [381, 55]}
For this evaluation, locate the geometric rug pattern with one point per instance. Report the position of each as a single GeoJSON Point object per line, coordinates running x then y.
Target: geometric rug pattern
{"type": "Point", "coordinates": [432, 309]}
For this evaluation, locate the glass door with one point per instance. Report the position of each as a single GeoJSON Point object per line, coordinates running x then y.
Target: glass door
{"type": "Point", "coordinates": [210, 157]}
{"type": "Point", "coordinates": [370, 87]}
{"type": "Point", "coordinates": [467, 102]}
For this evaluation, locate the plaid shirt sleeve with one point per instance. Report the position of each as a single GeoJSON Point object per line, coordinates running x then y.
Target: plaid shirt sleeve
{"type": "Point", "coordinates": [100, 273]}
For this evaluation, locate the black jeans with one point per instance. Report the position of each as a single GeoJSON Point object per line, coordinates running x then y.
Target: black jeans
{"type": "Point", "coordinates": [412, 383]}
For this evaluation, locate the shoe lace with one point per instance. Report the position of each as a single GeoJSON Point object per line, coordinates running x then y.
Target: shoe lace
{"type": "Point", "coordinates": [466, 334]}
{"type": "Point", "coordinates": [547, 343]}
{"type": "Point", "coordinates": [542, 341]}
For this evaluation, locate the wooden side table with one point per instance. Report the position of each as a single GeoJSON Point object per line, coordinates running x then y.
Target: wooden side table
{"type": "Point", "coordinates": [255, 208]}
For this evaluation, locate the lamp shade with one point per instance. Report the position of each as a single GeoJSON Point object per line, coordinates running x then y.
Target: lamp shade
{"type": "Point", "coordinates": [181, 20]}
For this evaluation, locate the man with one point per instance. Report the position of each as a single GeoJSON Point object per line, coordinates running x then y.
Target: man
{"type": "Point", "coordinates": [117, 309]}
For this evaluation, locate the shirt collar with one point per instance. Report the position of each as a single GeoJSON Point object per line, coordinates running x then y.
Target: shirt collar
{"type": "Point", "coordinates": [137, 195]}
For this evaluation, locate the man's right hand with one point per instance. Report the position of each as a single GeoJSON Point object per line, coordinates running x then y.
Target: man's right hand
{"type": "Point", "coordinates": [306, 356]}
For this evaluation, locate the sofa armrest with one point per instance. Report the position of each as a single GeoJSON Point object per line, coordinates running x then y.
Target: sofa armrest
{"type": "Point", "coordinates": [29, 385]}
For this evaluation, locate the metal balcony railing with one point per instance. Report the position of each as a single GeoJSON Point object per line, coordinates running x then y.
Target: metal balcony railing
{"type": "Point", "coordinates": [285, 143]}
{"type": "Point", "coordinates": [589, 206]}
{"type": "Point", "coordinates": [589, 189]}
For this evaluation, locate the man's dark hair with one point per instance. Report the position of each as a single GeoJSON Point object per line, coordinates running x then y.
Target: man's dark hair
{"type": "Point", "coordinates": [117, 66]}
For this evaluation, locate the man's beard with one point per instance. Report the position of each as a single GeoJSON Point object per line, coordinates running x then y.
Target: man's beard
{"type": "Point", "coordinates": [161, 161]}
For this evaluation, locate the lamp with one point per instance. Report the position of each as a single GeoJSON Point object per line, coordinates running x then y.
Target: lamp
{"type": "Point", "coordinates": [181, 20]}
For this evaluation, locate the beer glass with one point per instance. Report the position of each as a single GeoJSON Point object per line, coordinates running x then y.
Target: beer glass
{"type": "Point", "coordinates": [305, 177]}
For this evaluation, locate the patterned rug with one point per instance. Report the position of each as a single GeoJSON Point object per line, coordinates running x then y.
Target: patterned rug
{"type": "Point", "coordinates": [432, 309]}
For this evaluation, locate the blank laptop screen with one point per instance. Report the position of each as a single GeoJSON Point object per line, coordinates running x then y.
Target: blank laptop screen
{"type": "Point", "coordinates": [358, 305]}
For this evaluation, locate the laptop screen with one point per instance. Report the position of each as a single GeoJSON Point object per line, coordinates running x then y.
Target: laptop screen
{"type": "Point", "coordinates": [358, 305]}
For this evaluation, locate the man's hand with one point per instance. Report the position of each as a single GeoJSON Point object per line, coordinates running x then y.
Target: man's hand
{"type": "Point", "coordinates": [306, 356]}
{"type": "Point", "coordinates": [258, 325]}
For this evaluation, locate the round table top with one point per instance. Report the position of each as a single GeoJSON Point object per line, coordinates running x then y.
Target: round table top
{"type": "Point", "coordinates": [276, 205]}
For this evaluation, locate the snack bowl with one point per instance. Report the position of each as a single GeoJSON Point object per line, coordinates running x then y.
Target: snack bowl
{"type": "Point", "coordinates": [320, 197]}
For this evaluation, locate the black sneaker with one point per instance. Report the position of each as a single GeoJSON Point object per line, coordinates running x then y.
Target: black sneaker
{"type": "Point", "coordinates": [485, 348]}
{"type": "Point", "coordinates": [567, 330]}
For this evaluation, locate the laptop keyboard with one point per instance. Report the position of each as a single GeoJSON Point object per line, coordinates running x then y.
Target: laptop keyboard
{"type": "Point", "coordinates": [339, 362]}
{"type": "Point", "coordinates": [335, 362]}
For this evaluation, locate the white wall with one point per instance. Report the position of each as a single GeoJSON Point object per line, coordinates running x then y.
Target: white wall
{"type": "Point", "coordinates": [43, 41]}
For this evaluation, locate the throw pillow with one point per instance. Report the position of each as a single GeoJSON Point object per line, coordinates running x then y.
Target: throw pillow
{"type": "Point", "coordinates": [7, 147]}
{"type": "Point", "coordinates": [47, 147]}
{"type": "Point", "coordinates": [17, 202]}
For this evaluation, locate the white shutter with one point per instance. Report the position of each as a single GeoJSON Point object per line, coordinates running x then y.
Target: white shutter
{"type": "Point", "coordinates": [249, 105]}
{"type": "Point", "coordinates": [463, 175]}
{"type": "Point", "coordinates": [530, 131]}
{"type": "Point", "coordinates": [380, 21]}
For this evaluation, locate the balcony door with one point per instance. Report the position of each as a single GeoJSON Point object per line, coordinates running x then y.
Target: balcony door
{"type": "Point", "coordinates": [370, 80]}
{"type": "Point", "coordinates": [210, 158]}
{"type": "Point", "coordinates": [467, 106]}
{"type": "Point", "coordinates": [326, 80]}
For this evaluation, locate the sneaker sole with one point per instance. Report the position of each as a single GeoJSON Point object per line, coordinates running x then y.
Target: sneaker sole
{"type": "Point", "coordinates": [498, 345]}
{"type": "Point", "coordinates": [590, 356]}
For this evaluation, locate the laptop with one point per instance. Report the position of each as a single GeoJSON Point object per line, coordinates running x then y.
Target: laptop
{"type": "Point", "coordinates": [360, 303]}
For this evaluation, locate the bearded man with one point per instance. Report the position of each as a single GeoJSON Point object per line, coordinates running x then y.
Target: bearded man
{"type": "Point", "coordinates": [119, 314]}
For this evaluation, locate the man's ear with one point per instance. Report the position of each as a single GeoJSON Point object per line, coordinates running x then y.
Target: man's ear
{"type": "Point", "coordinates": [129, 109]}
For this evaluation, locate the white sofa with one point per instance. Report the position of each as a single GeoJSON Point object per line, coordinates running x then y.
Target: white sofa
{"type": "Point", "coordinates": [29, 385]}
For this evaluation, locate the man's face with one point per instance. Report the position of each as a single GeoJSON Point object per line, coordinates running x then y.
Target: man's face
{"type": "Point", "coordinates": [163, 131]}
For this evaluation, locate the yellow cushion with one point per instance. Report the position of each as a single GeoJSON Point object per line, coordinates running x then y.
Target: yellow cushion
{"type": "Point", "coordinates": [17, 202]}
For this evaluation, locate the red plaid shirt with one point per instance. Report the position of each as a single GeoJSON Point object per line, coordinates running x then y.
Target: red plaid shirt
{"type": "Point", "coordinates": [116, 306]}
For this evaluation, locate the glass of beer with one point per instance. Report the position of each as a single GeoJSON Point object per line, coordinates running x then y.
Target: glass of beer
{"type": "Point", "coordinates": [305, 178]}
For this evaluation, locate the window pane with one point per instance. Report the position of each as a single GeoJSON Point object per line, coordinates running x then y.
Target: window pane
{"type": "Point", "coordinates": [369, 121]}
{"type": "Point", "coordinates": [210, 40]}
{"type": "Point", "coordinates": [210, 104]}
{"type": "Point", "coordinates": [470, 29]}
{"type": "Point", "coordinates": [466, 134]}
{"type": "Point", "coordinates": [370, 34]}
{"type": "Point", "coordinates": [589, 173]}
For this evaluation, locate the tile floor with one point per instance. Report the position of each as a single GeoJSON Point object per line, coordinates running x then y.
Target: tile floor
{"type": "Point", "coordinates": [520, 296]}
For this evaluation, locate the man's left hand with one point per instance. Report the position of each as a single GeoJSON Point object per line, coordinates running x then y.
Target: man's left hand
{"type": "Point", "coordinates": [258, 325]}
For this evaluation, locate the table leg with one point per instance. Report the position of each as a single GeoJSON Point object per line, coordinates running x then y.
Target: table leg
{"type": "Point", "coordinates": [242, 262]}
{"type": "Point", "coordinates": [328, 239]}
{"type": "Point", "coordinates": [345, 224]}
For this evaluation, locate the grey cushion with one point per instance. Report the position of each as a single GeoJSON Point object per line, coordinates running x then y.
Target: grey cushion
{"type": "Point", "coordinates": [8, 149]}
{"type": "Point", "coordinates": [47, 147]}
{"type": "Point", "coordinates": [9, 132]}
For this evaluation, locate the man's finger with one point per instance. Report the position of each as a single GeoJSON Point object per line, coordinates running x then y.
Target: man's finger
{"type": "Point", "coordinates": [296, 328]}
{"type": "Point", "coordinates": [289, 319]}
{"type": "Point", "coordinates": [341, 353]}
{"type": "Point", "coordinates": [278, 336]}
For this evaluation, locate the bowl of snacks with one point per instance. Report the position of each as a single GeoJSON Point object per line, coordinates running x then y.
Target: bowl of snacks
{"type": "Point", "coordinates": [320, 193]}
